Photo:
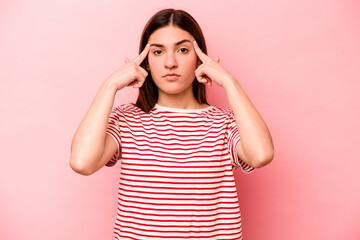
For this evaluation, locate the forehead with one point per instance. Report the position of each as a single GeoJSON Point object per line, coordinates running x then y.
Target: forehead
{"type": "Point", "coordinates": [169, 35]}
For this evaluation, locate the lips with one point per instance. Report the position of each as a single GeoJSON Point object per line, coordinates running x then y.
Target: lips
{"type": "Point", "coordinates": [171, 76]}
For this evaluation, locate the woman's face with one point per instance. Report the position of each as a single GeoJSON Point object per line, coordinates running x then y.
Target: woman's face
{"type": "Point", "coordinates": [172, 59]}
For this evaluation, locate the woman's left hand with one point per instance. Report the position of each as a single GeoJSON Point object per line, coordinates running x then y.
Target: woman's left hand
{"type": "Point", "coordinates": [210, 70]}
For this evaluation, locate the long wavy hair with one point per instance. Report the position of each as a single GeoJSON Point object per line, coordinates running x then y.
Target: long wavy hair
{"type": "Point", "coordinates": [149, 92]}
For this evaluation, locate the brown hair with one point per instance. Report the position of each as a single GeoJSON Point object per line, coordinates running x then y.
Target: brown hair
{"type": "Point", "coordinates": [148, 93]}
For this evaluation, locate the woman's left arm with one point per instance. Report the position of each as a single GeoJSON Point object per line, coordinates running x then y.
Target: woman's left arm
{"type": "Point", "coordinates": [256, 146]}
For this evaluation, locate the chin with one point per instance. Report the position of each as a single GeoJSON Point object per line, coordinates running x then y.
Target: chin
{"type": "Point", "coordinates": [174, 87]}
{"type": "Point", "coordinates": [172, 91]}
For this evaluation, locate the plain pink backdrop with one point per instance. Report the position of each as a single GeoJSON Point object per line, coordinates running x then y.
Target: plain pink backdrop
{"type": "Point", "coordinates": [297, 60]}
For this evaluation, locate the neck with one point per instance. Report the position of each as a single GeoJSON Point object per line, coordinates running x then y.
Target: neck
{"type": "Point", "coordinates": [183, 100]}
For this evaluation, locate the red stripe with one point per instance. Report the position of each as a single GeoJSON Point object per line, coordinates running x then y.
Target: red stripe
{"type": "Point", "coordinates": [167, 171]}
{"type": "Point", "coordinates": [179, 231]}
{"type": "Point", "coordinates": [176, 199]}
{"type": "Point", "coordinates": [128, 151]}
{"type": "Point", "coordinates": [158, 236]}
{"type": "Point", "coordinates": [184, 166]}
{"type": "Point", "coordinates": [176, 193]}
{"type": "Point", "coordinates": [145, 147]}
{"type": "Point", "coordinates": [178, 188]}
{"type": "Point", "coordinates": [176, 215]}
{"type": "Point", "coordinates": [179, 143]}
{"type": "Point", "coordinates": [180, 204]}
{"type": "Point", "coordinates": [122, 237]}
{"type": "Point", "coordinates": [122, 179]}
{"type": "Point", "coordinates": [176, 210]}
{"type": "Point", "coordinates": [179, 163]}
{"type": "Point", "coordinates": [180, 220]}
{"type": "Point", "coordinates": [172, 157]}
{"type": "Point", "coordinates": [172, 177]}
{"type": "Point", "coordinates": [178, 226]}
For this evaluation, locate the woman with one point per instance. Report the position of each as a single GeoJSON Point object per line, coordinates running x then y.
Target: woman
{"type": "Point", "coordinates": [176, 151]}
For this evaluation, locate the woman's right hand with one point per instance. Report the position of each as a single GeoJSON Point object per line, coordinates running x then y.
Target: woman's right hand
{"type": "Point", "coordinates": [130, 74]}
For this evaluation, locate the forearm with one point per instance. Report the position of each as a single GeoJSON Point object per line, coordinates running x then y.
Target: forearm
{"type": "Point", "coordinates": [256, 142]}
{"type": "Point", "coordinates": [91, 147]}
{"type": "Point", "coordinates": [88, 142]}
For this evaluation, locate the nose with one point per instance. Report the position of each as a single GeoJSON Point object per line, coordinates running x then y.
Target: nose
{"type": "Point", "coordinates": [170, 61]}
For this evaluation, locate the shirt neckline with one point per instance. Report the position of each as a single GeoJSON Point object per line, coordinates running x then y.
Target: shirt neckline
{"type": "Point", "coordinates": [190, 110]}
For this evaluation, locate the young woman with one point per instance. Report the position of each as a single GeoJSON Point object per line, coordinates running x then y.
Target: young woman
{"type": "Point", "coordinates": [177, 153]}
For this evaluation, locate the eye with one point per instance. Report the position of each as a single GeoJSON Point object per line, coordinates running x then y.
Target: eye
{"type": "Point", "coordinates": [157, 52]}
{"type": "Point", "coordinates": [183, 50]}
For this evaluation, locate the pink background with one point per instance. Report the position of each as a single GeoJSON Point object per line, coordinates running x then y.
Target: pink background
{"type": "Point", "coordinates": [299, 61]}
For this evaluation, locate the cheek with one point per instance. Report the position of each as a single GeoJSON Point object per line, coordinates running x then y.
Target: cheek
{"type": "Point", "coordinates": [189, 61]}
{"type": "Point", "coordinates": [192, 62]}
{"type": "Point", "coordinates": [153, 64]}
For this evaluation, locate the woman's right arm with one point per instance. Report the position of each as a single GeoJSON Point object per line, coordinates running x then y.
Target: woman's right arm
{"type": "Point", "coordinates": [91, 147]}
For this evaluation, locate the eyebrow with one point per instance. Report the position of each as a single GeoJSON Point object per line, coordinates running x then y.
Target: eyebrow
{"type": "Point", "coordinates": [176, 44]}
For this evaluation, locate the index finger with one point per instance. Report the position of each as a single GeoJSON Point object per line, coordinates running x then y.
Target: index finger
{"type": "Point", "coordinates": [200, 53]}
{"type": "Point", "coordinates": [142, 55]}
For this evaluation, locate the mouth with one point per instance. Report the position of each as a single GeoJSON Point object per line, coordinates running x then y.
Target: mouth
{"type": "Point", "coordinates": [171, 76]}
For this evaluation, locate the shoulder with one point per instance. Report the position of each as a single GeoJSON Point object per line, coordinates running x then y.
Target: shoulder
{"type": "Point", "coordinates": [127, 110]}
{"type": "Point", "coordinates": [220, 112]}
{"type": "Point", "coordinates": [124, 107]}
{"type": "Point", "coordinates": [128, 107]}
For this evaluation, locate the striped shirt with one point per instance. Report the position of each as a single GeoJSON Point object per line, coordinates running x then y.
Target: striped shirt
{"type": "Point", "coordinates": [176, 178]}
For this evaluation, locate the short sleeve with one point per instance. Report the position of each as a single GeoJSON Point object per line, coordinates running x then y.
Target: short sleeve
{"type": "Point", "coordinates": [233, 138]}
{"type": "Point", "coordinates": [113, 129]}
